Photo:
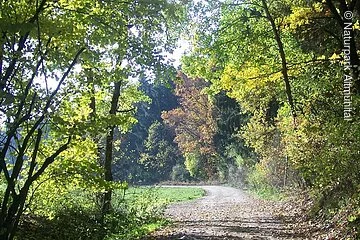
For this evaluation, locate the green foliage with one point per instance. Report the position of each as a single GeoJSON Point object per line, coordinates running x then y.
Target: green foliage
{"type": "Point", "coordinates": [263, 104]}
{"type": "Point", "coordinates": [236, 157]}
{"type": "Point", "coordinates": [132, 218]}
{"type": "Point", "coordinates": [193, 165]}
{"type": "Point", "coordinates": [258, 181]}
{"type": "Point", "coordinates": [136, 212]}
{"type": "Point", "coordinates": [147, 152]}
{"type": "Point", "coordinates": [160, 153]}
{"type": "Point", "coordinates": [72, 56]}
{"type": "Point", "coordinates": [179, 173]}
{"type": "Point", "coordinates": [79, 213]}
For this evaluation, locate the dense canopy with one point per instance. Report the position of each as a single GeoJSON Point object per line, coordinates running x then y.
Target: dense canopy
{"type": "Point", "coordinates": [266, 96]}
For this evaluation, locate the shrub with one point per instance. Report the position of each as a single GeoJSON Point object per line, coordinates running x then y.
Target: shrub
{"type": "Point", "coordinates": [128, 219]}
{"type": "Point", "coordinates": [179, 173]}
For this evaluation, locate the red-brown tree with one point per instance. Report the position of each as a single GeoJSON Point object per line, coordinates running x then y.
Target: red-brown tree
{"type": "Point", "coordinates": [195, 126]}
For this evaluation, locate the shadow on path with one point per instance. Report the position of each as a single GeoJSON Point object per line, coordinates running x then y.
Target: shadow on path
{"type": "Point", "coordinates": [227, 214]}
{"type": "Point", "coordinates": [266, 228]}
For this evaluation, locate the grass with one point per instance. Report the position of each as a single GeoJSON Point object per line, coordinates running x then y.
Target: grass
{"type": "Point", "coordinates": [140, 231]}
{"type": "Point", "coordinates": [168, 194]}
{"type": "Point", "coordinates": [158, 196]}
{"type": "Point", "coordinates": [135, 214]}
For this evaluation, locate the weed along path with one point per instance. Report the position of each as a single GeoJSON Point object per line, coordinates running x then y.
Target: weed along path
{"type": "Point", "coordinates": [225, 213]}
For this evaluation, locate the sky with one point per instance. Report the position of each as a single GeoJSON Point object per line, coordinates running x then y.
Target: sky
{"type": "Point", "coordinates": [183, 46]}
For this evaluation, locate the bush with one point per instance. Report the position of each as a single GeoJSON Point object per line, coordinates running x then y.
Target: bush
{"type": "Point", "coordinates": [179, 173]}
{"type": "Point", "coordinates": [259, 183]}
{"type": "Point", "coordinates": [129, 218]}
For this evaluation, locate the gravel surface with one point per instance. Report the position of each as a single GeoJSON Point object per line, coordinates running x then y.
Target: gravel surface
{"type": "Point", "coordinates": [226, 213]}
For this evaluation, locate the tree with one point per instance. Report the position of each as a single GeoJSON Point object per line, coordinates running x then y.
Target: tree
{"type": "Point", "coordinates": [26, 127]}
{"type": "Point", "coordinates": [350, 40]}
{"type": "Point", "coordinates": [194, 124]}
{"type": "Point", "coordinates": [238, 158]}
{"type": "Point", "coordinates": [161, 154]}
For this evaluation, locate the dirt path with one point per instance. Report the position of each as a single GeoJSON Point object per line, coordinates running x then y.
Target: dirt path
{"type": "Point", "coordinates": [226, 213]}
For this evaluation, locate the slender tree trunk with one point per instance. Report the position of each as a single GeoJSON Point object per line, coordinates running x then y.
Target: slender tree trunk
{"type": "Point", "coordinates": [283, 59]}
{"type": "Point", "coordinates": [8, 221]}
{"type": "Point", "coordinates": [285, 171]}
{"type": "Point", "coordinates": [92, 104]}
{"type": "Point", "coordinates": [95, 137]}
{"type": "Point", "coordinates": [108, 171]}
{"type": "Point", "coordinates": [11, 221]}
{"type": "Point", "coordinates": [106, 207]}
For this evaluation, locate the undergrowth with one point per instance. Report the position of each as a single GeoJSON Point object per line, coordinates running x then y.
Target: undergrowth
{"type": "Point", "coordinates": [129, 219]}
{"type": "Point", "coordinates": [135, 213]}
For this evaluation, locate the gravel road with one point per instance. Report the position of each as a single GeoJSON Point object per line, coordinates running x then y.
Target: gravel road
{"type": "Point", "coordinates": [226, 213]}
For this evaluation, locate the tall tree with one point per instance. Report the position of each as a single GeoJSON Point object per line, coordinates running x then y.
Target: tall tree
{"type": "Point", "coordinates": [230, 146]}
{"type": "Point", "coordinates": [109, 148]}
{"type": "Point", "coordinates": [194, 124]}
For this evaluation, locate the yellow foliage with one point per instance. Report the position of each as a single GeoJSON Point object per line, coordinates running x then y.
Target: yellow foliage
{"type": "Point", "coordinates": [335, 57]}
{"type": "Point", "coordinates": [301, 16]}
{"type": "Point", "coordinates": [356, 25]}
{"type": "Point", "coordinates": [251, 85]}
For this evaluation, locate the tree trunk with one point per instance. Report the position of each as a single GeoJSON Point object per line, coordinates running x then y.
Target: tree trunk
{"type": "Point", "coordinates": [283, 59]}
{"type": "Point", "coordinates": [106, 206]}
{"type": "Point", "coordinates": [8, 226]}
{"type": "Point", "coordinates": [10, 221]}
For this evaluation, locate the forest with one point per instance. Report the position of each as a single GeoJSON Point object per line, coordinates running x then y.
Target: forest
{"type": "Point", "coordinates": [94, 109]}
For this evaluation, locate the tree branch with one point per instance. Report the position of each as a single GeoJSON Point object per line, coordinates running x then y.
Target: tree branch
{"type": "Point", "coordinates": [35, 153]}
{"type": "Point", "coordinates": [283, 59]}
{"type": "Point", "coordinates": [126, 110]}
{"type": "Point", "coordinates": [335, 12]}
{"type": "Point", "coordinates": [50, 160]}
